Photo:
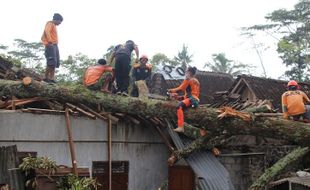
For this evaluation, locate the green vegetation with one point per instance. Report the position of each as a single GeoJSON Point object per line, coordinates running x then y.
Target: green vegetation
{"type": "Point", "coordinates": [223, 65]}
{"type": "Point", "coordinates": [291, 30]}
{"type": "Point", "coordinates": [46, 167]}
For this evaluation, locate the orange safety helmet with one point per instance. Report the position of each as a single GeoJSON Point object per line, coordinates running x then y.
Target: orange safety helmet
{"type": "Point", "coordinates": [144, 57]}
{"type": "Point", "coordinates": [292, 83]}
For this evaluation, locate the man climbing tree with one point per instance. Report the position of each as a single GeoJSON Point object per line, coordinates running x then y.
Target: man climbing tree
{"type": "Point", "coordinates": [94, 78]}
{"type": "Point", "coordinates": [191, 88]}
{"type": "Point", "coordinates": [50, 41]}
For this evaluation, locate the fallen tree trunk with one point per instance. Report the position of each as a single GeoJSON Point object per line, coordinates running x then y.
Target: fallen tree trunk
{"type": "Point", "coordinates": [204, 117]}
{"type": "Point", "coordinates": [278, 167]}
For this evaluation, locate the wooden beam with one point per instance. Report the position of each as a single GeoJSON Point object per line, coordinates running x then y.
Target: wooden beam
{"type": "Point", "coordinates": [164, 138]}
{"type": "Point", "coordinates": [71, 143]}
{"type": "Point", "coordinates": [42, 111]}
{"type": "Point", "coordinates": [93, 112]}
{"type": "Point", "coordinates": [92, 116]}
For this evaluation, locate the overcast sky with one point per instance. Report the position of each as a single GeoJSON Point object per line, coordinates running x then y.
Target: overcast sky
{"type": "Point", "coordinates": [205, 26]}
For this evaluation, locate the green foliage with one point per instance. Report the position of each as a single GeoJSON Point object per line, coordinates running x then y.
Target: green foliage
{"type": "Point", "coordinates": [30, 163]}
{"type": "Point", "coordinates": [73, 68]}
{"type": "Point", "coordinates": [72, 182]}
{"type": "Point", "coordinates": [183, 58]}
{"type": "Point", "coordinates": [30, 54]}
{"type": "Point", "coordinates": [224, 65]}
{"type": "Point", "coordinates": [109, 52]}
{"type": "Point", "coordinates": [3, 47]}
{"type": "Point", "coordinates": [16, 62]}
{"type": "Point", "coordinates": [43, 163]}
{"type": "Point", "coordinates": [293, 46]}
{"type": "Point", "coordinates": [159, 58]}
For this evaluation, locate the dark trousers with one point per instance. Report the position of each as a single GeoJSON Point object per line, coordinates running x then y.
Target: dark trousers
{"type": "Point", "coordinates": [122, 69]}
{"type": "Point", "coordinates": [52, 56]}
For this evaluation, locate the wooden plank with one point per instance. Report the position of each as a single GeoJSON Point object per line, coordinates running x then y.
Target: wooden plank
{"type": "Point", "coordinates": [42, 111]}
{"type": "Point", "coordinates": [134, 120]}
{"type": "Point", "coordinates": [20, 102]}
{"type": "Point", "coordinates": [93, 112]}
{"type": "Point", "coordinates": [92, 116]}
{"type": "Point", "coordinates": [164, 138]}
{"type": "Point", "coordinates": [142, 89]}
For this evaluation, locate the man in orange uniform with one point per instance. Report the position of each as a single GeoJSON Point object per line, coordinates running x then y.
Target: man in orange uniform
{"type": "Point", "coordinates": [50, 41]}
{"type": "Point", "coordinates": [94, 78]}
{"type": "Point", "coordinates": [191, 87]}
{"type": "Point", "coordinates": [293, 102]}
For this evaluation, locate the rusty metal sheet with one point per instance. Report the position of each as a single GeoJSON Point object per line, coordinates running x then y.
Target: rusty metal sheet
{"type": "Point", "coordinates": [211, 173]}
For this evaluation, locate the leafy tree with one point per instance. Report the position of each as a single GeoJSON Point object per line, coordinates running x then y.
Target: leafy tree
{"type": "Point", "coordinates": [3, 47]}
{"type": "Point", "coordinates": [183, 58]}
{"type": "Point", "coordinates": [109, 52]}
{"type": "Point", "coordinates": [293, 44]}
{"type": "Point", "coordinates": [160, 58]}
{"type": "Point", "coordinates": [30, 54]}
{"type": "Point", "coordinates": [73, 68]}
{"type": "Point", "coordinates": [223, 65]}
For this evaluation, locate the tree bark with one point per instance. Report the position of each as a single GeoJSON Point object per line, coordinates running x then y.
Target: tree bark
{"type": "Point", "coordinates": [278, 167]}
{"type": "Point", "coordinates": [202, 116]}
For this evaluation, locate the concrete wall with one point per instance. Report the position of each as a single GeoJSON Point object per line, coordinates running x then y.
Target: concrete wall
{"type": "Point", "coordinates": [47, 135]}
{"type": "Point", "coordinates": [243, 169]}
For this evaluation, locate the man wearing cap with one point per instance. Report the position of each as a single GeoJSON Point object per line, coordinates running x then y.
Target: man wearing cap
{"type": "Point", "coordinates": [140, 71]}
{"type": "Point", "coordinates": [122, 55]}
{"type": "Point", "coordinates": [94, 78]}
{"type": "Point", "coordinates": [50, 40]}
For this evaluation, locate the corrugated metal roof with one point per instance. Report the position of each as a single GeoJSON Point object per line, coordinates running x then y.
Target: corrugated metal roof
{"type": "Point", "coordinates": [211, 173]}
{"type": "Point", "coordinates": [305, 181]}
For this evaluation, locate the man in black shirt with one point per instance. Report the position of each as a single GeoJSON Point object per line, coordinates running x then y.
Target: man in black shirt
{"type": "Point", "coordinates": [122, 55]}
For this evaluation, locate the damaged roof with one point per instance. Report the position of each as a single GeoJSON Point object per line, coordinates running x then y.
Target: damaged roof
{"type": "Point", "coordinates": [253, 91]}
{"type": "Point", "coordinates": [210, 82]}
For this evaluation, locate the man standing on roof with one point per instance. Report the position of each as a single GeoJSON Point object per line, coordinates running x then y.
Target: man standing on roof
{"type": "Point", "coordinates": [293, 102]}
{"type": "Point", "coordinates": [94, 78]}
{"type": "Point", "coordinates": [122, 55]}
{"type": "Point", "coordinates": [141, 71]}
{"type": "Point", "coordinates": [50, 40]}
{"type": "Point", "coordinates": [191, 88]}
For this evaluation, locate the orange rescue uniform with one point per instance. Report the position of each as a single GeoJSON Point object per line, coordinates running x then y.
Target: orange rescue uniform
{"type": "Point", "coordinates": [50, 34]}
{"type": "Point", "coordinates": [293, 103]}
{"type": "Point", "coordinates": [93, 73]}
{"type": "Point", "coordinates": [191, 88]}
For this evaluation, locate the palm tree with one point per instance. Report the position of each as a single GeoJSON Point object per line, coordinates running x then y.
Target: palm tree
{"type": "Point", "coordinates": [223, 65]}
{"type": "Point", "coordinates": [183, 57]}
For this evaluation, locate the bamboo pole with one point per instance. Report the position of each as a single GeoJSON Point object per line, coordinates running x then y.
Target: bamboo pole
{"type": "Point", "coordinates": [109, 150]}
{"type": "Point", "coordinates": [71, 143]}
